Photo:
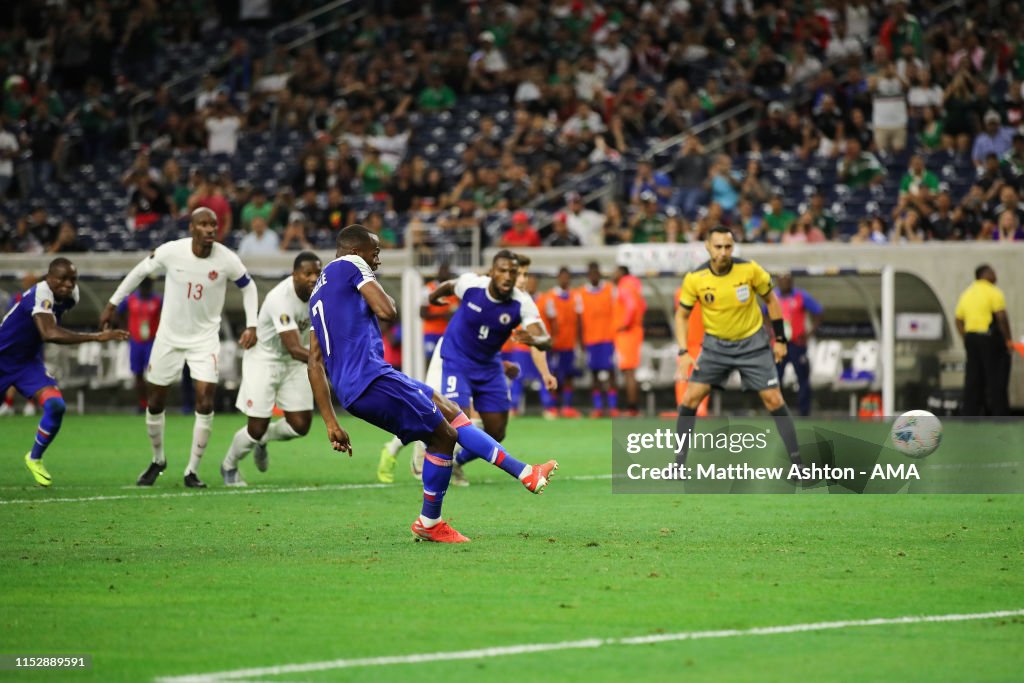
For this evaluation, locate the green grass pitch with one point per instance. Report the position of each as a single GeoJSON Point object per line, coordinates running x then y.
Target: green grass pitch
{"type": "Point", "coordinates": [156, 585]}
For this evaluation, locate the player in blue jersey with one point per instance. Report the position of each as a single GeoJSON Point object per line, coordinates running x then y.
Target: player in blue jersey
{"type": "Point", "coordinates": [34, 318]}
{"type": "Point", "coordinates": [346, 347]}
{"type": "Point", "coordinates": [491, 308]}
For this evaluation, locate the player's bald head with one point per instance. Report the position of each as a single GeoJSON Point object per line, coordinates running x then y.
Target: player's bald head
{"type": "Point", "coordinates": [202, 212]}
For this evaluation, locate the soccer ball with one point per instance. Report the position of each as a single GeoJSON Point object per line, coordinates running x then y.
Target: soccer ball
{"type": "Point", "coordinates": [916, 434]}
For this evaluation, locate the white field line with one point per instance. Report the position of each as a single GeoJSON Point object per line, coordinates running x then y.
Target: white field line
{"type": "Point", "coordinates": [590, 643]}
{"type": "Point", "coordinates": [249, 491]}
{"type": "Point", "coordinates": [351, 487]}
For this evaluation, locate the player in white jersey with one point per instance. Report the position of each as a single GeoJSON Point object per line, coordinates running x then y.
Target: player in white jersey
{"type": "Point", "coordinates": [196, 271]}
{"type": "Point", "coordinates": [274, 371]}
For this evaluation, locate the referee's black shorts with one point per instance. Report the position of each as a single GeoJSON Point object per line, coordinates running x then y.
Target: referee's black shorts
{"type": "Point", "coordinates": [752, 356]}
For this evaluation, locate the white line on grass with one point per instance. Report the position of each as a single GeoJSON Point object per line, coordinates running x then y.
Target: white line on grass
{"type": "Point", "coordinates": [240, 492]}
{"type": "Point", "coordinates": [590, 643]}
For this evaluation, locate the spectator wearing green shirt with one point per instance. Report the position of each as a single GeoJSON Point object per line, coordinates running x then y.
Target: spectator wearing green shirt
{"type": "Point", "coordinates": [256, 206]}
{"type": "Point", "coordinates": [931, 137]}
{"type": "Point", "coordinates": [374, 222]}
{"type": "Point", "coordinates": [96, 115]}
{"type": "Point", "coordinates": [858, 168]}
{"type": "Point", "coordinates": [436, 96]}
{"type": "Point", "coordinates": [918, 179]}
{"type": "Point", "coordinates": [1013, 161]}
{"type": "Point", "coordinates": [373, 172]}
{"type": "Point", "coordinates": [176, 189]}
{"type": "Point", "coordinates": [777, 219]}
{"type": "Point", "coordinates": [648, 225]}
{"type": "Point", "coordinates": [821, 217]}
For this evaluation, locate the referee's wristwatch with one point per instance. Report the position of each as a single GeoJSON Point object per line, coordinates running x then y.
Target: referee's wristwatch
{"type": "Point", "coordinates": [682, 352]}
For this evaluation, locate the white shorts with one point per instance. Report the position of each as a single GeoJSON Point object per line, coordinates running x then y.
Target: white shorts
{"type": "Point", "coordinates": [266, 382]}
{"type": "Point", "coordinates": [435, 370]}
{"type": "Point", "coordinates": [166, 361]}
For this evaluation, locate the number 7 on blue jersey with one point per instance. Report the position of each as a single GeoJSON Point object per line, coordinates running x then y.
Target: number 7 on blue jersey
{"type": "Point", "coordinates": [318, 309]}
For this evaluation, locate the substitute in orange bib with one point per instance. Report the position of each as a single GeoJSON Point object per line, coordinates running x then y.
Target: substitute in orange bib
{"type": "Point", "coordinates": [560, 311]}
{"type": "Point", "coordinates": [435, 318]}
{"type": "Point", "coordinates": [630, 307]}
{"type": "Point", "coordinates": [597, 331]}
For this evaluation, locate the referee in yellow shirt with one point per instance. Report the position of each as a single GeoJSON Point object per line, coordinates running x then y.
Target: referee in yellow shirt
{"type": "Point", "coordinates": [734, 335]}
{"type": "Point", "coordinates": [985, 329]}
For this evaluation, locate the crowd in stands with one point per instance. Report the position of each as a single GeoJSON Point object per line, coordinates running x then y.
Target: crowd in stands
{"type": "Point", "coordinates": [500, 123]}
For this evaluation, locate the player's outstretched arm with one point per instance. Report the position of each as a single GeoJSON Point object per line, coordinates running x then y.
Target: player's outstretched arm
{"type": "Point", "coordinates": [322, 395]}
{"type": "Point", "coordinates": [533, 335]}
{"type": "Point", "coordinates": [148, 266]}
{"type": "Point", "coordinates": [53, 333]}
{"type": "Point", "coordinates": [443, 291]}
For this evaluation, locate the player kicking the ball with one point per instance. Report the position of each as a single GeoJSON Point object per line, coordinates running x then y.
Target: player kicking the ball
{"type": "Point", "coordinates": [346, 346]}
{"type": "Point", "coordinates": [274, 371]}
{"type": "Point", "coordinates": [34, 318]}
{"type": "Point", "coordinates": [197, 270]}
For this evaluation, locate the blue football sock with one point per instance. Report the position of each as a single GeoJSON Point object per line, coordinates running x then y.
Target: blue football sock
{"type": "Point", "coordinates": [613, 399]}
{"type": "Point", "coordinates": [476, 443]}
{"type": "Point", "coordinates": [49, 425]}
{"type": "Point", "coordinates": [566, 398]}
{"type": "Point", "coordinates": [546, 399]}
{"type": "Point", "coordinates": [437, 472]}
{"type": "Point", "coordinates": [597, 399]}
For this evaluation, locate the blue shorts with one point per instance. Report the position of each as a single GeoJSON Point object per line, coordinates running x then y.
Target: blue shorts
{"type": "Point", "coordinates": [138, 355]}
{"type": "Point", "coordinates": [601, 356]}
{"type": "Point", "coordinates": [483, 385]}
{"type": "Point", "coordinates": [429, 343]}
{"type": "Point", "coordinates": [562, 364]}
{"type": "Point", "coordinates": [27, 378]}
{"type": "Point", "coordinates": [527, 370]}
{"type": "Point", "coordinates": [399, 405]}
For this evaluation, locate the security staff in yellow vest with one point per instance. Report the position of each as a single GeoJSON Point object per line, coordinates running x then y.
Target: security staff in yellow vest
{"type": "Point", "coordinates": [985, 329]}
